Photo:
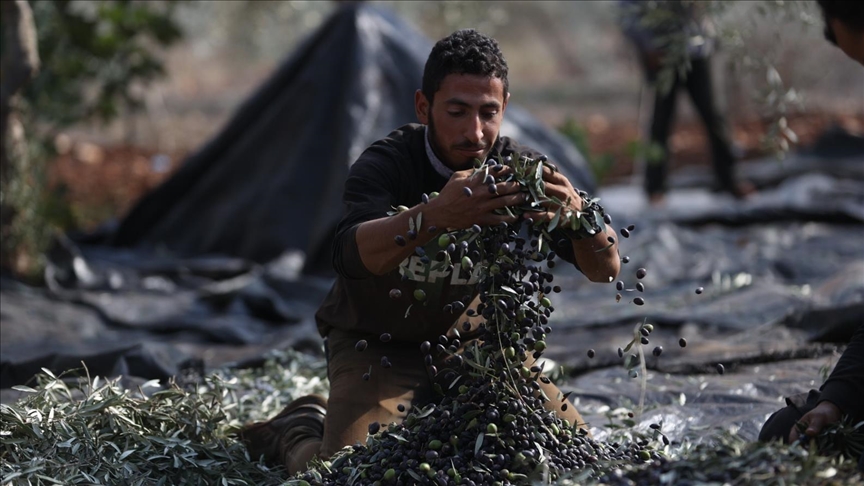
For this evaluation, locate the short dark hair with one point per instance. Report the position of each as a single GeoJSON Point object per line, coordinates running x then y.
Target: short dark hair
{"type": "Point", "coordinates": [465, 51]}
{"type": "Point", "coordinates": [849, 12]}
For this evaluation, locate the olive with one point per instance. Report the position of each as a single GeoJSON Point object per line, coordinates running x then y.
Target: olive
{"type": "Point", "coordinates": [591, 353]}
{"type": "Point", "coordinates": [425, 198]}
{"type": "Point", "coordinates": [639, 301]}
{"type": "Point", "coordinates": [420, 295]}
{"type": "Point", "coordinates": [640, 286]}
{"type": "Point", "coordinates": [640, 274]}
{"type": "Point", "coordinates": [658, 350]}
{"type": "Point", "coordinates": [395, 293]}
{"type": "Point", "coordinates": [385, 337]}
{"type": "Point", "coordinates": [400, 240]}
{"type": "Point", "coordinates": [682, 342]}
{"type": "Point", "coordinates": [425, 346]}
{"type": "Point", "coordinates": [467, 191]}
{"type": "Point", "coordinates": [624, 232]}
{"type": "Point", "coordinates": [699, 290]}
{"type": "Point", "coordinates": [361, 345]}
{"type": "Point", "coordinates": [720, 368]}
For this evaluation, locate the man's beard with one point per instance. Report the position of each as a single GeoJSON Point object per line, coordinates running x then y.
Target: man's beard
{"type": "Point", "coordinates": [440, 153]}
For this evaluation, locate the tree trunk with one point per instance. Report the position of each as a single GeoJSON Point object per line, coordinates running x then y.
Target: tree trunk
{"type": "Point", "coordinates": [19, 63]}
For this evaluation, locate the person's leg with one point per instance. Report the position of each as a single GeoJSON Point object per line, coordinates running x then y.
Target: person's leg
{"type": "Point", "coordinates": [780, 423]}
{"type": "Point", "coordinates": [661, 123]}
{"type": "Point", "coordinates": [355, 403]}
{"type": "Point", "coordinates": [700, 87]}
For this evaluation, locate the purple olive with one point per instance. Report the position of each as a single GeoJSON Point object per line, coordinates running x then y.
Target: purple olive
{"type": "Point", "coordinates": [395, 293]}
{"type": "Point", "coordinates": [400, 240]}
{"type": "Point", "coordinates": [590, 353]}
{"type": "Point", "coordinates": [361, 345]}
{"type": "Point", "coordinates": [699, 290]}
{"type": "Point", "coordinates": [639, 301]}
{"type": "Point", "coordinates": [624, 232]}
{"type": "Point", "coordinates": [658, 350]}
{"type": "Point", "coordinates": [385, 338]}
{"type": "Point", "coordinates": [640, 274]}
{"type": "Point", "coordinates": [682, 342]}
{"type": "Point", "coordinates": [467, 191]}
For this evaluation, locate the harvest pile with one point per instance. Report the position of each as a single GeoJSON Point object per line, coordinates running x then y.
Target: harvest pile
{"type": "Point", "coordinates": [490, 425]}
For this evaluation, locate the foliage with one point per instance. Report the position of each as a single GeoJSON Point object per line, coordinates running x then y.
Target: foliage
{"type": "Point", "coordinates": [671, 19]}
{"type": "Point", "coordinates": [82, 431]}
{"type": "Point", "coordinates": [95, 57]}
{"type": "Point", "coordinates": [600, 164]}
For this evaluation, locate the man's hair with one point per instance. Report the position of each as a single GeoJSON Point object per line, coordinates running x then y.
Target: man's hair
{"type": "Point", "coordinates": [463, 52]}
{"type": "Point", "coordinates": [849, 12]}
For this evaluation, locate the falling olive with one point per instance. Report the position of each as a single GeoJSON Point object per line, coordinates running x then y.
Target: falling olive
{"type": "Point", "coordinates": [395, 293]}
{"type": "Point", "coordinates": [467, 191]}
{"type": "Point", "coordinates": [640, 274]}
{"type": "Point", "coordinates": [639, 301]}
{"type": "Point", "coordinates": [361, 345]}
{"type": "Point", "coordinates": [591, 353]}
{"type": "Point", "coordinates": [720, 368]}
{"type": "Point", "coordinates": [682, 342]}
{"type": "Point", "coordinates": [420, 295]}
{"type": "Point", "coordinates": [658, 350]}
{"type": "Point", "coordinates": [699, 290]}
{"type": "Point", "coordinates": [385, 337]}
{"type": "Point", "coordinates": [400, 240]}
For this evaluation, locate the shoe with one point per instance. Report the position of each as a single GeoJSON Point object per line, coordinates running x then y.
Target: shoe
{"type": "Point", "coordinates": [273, 439]}
{"type": "Point", "coordinates": [743, 190]}
{"type": "Point", "coordinates": [657, 200]}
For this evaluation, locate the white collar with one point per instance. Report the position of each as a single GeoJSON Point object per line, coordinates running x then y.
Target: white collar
{"type": "Point", "coordinates": [439, 166]}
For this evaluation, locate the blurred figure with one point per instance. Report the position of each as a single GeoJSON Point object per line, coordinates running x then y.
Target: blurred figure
{"type": "Point", "coordinates": [807, 414]}
{"type": "Point", "coordinates": [667, 33]}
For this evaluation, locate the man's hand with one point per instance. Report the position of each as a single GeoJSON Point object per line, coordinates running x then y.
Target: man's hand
{"type": "Point", "coordinates": [825, 413]}
{"type": "Point", "coordinates": [455, 209]}
{"type": "Point", "coordinates": [596, 264]}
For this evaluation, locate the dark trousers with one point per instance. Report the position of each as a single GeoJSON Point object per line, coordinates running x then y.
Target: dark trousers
{"type": "Point", "coordinates": [699, 86]}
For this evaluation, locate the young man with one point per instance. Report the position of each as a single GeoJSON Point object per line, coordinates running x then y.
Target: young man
{"type": "Point", "coordinates": [841, 394]}
{"type": "Point", "coordinates": [461, 106]}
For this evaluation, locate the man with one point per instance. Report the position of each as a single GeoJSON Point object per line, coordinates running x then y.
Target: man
{"type": "Point", "coordinates": [461, 106]}
{"type": "Point", "coordinates": [674, 32]}
{"type": "Point", "coordinates": [807, 414]}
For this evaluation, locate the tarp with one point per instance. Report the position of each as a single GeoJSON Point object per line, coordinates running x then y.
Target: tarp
{"type": "Point", "coordinates": [272, 179]}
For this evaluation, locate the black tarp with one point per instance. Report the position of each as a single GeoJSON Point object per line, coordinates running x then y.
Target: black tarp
{"type": "Point", "coordinates": [272, 179]}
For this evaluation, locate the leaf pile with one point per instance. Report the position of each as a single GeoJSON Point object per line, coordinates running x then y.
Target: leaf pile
{"type": "Point", "coordinates": [95, 432]}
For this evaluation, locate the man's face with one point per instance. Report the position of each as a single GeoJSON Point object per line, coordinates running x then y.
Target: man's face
{"type": "Point", "coordinates": [464, 117]}
{"type": "Point", "coordinates": [848, 40]}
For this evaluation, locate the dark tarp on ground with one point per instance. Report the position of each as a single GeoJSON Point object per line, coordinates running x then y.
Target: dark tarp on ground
{"type": "Point", "coordinates": [272, 179]}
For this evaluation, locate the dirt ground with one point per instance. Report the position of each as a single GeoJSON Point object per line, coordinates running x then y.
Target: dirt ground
{"type": "Point", "coordinates": [104, 182]}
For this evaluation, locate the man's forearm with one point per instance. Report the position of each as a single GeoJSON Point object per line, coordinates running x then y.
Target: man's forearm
{"type": "Point", "coordinates": [597, 264]}
{"type": "Point", "coordinates": [376, 239]}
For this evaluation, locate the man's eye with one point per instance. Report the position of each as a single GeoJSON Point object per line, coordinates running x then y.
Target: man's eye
{"type": "Point", "coordinates": [490, 114]}
{"type": "Point", "coordinates": [454, 113]}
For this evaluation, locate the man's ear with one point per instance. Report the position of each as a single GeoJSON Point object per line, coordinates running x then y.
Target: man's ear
{"type": "Point", "coordinates": [421, 107]}
{"type": "Point", "coordinates": [506, 100]}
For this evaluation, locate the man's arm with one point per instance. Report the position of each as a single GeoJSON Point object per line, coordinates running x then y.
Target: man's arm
{"type": "Point", "coordinates": [841, 393]}
{"type": "Point", "coordinates": [598, 265]}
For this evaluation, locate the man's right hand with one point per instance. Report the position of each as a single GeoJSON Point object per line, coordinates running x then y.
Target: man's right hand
{"type": "Point", "coordinates": [454, 209]}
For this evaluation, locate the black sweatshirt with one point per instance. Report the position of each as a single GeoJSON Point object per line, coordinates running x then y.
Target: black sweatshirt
{"type": "Point", "coordinates": [391, 172]}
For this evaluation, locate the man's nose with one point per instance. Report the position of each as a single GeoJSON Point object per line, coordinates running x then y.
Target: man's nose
{"type": "Point", "coordinates": [474, 130]}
